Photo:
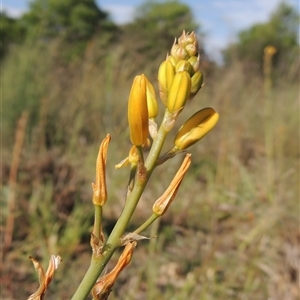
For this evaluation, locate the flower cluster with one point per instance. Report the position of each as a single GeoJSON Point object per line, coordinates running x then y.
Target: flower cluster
{"type": "Point", "coordinates": [179, 80]}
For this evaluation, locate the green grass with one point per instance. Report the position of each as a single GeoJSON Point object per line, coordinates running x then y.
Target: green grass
{"type": "Point", "coordinates": [232, 231]}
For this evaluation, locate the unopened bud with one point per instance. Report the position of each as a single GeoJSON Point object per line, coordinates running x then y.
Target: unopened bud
{"type": "Point", "coordinates": [188, 42]}
{"type": "Point", "coordinates": [187, 38]}
{"type": "Point", "coordinates": [196, 84]}
{"type": "Point", "coordinates": [151, 100]}
{"type": "Point", "coordinates": [172, 59]}
{"type": "Point", "coordinates": [179, 92]}
{"type": "Point", "coordinates": [191, 50]}
{"type": "Point", "coordinates": [166, 73]}
{"type": "Point", "coordinates": [194, 61]}
{"type": "Point", "coordinates": [138, 111]}
{"type": "Point", "coordinates": [179, 52]}
{"type": "Point", "coordinates": [184, 65]}
{"type": "Point", "coordinates": [196, 127]}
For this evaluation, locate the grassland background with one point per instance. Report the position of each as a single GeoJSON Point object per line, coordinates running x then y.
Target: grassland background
{"type": "Point", "coordinates": [231, 233]}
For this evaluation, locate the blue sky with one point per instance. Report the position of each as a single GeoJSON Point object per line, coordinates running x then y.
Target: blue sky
{"type": "Point", "coordinates": [221, 20]}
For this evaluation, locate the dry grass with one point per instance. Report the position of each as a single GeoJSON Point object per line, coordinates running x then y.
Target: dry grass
{"type": "Point", "coordinates": [233, 231]}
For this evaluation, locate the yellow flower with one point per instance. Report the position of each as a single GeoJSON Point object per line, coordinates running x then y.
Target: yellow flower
{"type": "Point", "coordinates": [195, 62]}
{"type": "Point", "coordinates": [196, 127]}
{"type": "Point", "coordinates": [151, 100]}
{"type": "Point", "coordinates": [166, 73]}
{"type": "Point", "coordinates": [184, 65]}
{"type": "Point", "coordinates": [138, 111]}
{"type": "Point", "coordinates": [196, 84]}
{"type": "Point", "coordinates": [179, 91]}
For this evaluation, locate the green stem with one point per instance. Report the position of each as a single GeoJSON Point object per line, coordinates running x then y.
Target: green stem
{"type": "Point", "coordinates": [140, 152]}
{"type": "Point", "coordinates": [97, 221]}
{"type": "Point", "coordinates": [98, 263]}
{"type": "Point", "coordinates": [151, 266]}
{"type": "Point", "coordinates": [146, 224]}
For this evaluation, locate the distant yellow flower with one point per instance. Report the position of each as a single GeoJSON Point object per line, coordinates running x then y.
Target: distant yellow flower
{"type": "Point", "coordinates": [270, 50]}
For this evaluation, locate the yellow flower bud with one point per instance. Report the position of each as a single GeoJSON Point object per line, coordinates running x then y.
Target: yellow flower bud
{"type": "Point", "coordinates": [196, 127]}
{"type": "Point", "coordinates": [166, 73]}
{"type": "Point", "coordinates": [172, 59]}
{"type": "Point", "coordinates": [194, 61]}
{"type": "Point", "coordinates": [179, 52]}
{"type": "Point", "coordinates": [187, 38]}
{"type": "Point", "coordinates": [191, 50]}
{"type": "Point", "coordinates": [151, 100]}
{"type": "Point", "coordinates": [138, 111]}
{"type": "Point", "coordinates": [179, 91]}
{"type": "Point", "coordinates": [184, 65]}
{"type": "Point", "coordinates": [163, 202]}
{"type": "Point", "coordinates": [196, 84]}
{"type": "Point", "coordinates": [189, 43]}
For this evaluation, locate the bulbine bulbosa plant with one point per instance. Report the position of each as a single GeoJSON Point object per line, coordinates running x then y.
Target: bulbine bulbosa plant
{"type": "Point", "coordinates": [179, 80]}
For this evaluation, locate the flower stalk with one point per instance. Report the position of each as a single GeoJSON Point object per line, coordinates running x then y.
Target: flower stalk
{"type": "Point", "coordinates": [179, 80]}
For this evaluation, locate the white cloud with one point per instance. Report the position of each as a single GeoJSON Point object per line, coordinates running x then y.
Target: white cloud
{"type": "Point", "coordinates": [242, 14]}
{"type": "Point", "coordinates": [11, 11]}
{"type": "Point", "coordinates": [119, 13]}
